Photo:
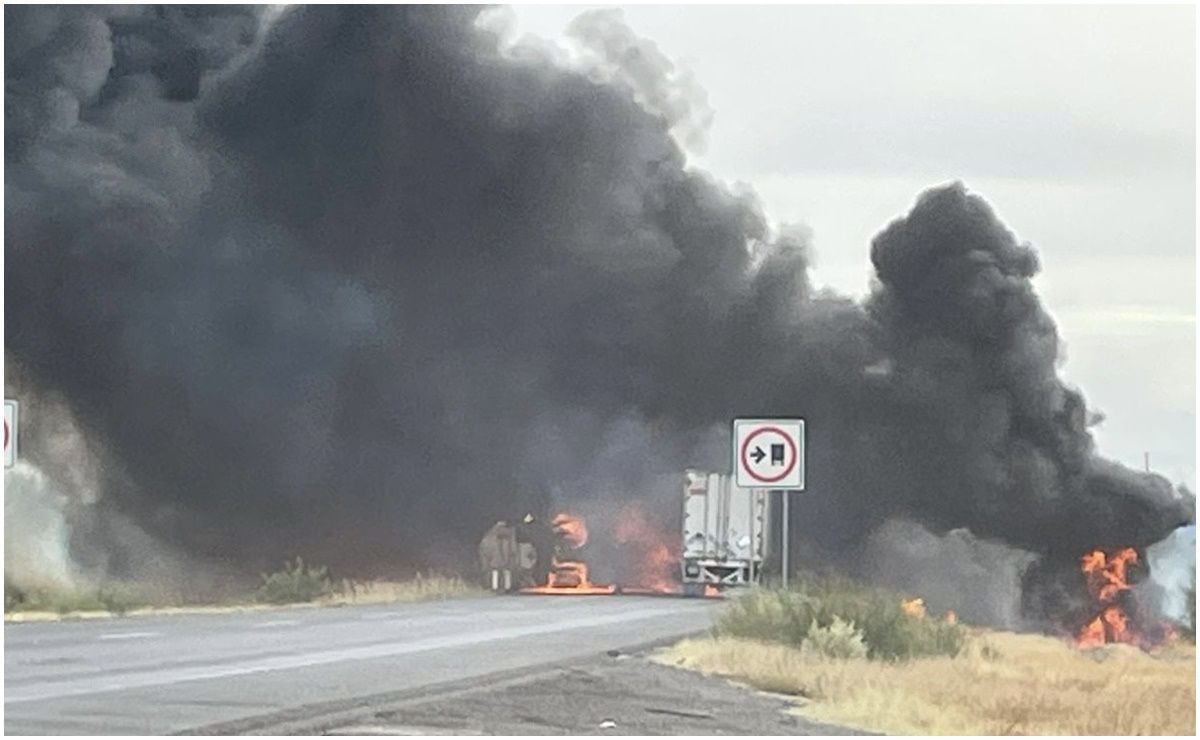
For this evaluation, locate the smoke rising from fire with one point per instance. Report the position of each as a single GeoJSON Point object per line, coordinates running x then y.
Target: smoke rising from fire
{"type": "Point", "coordinates": [364, 281]}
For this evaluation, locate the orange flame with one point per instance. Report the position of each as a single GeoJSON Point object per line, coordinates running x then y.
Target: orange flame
{"type": "Point", "coordinates": [1107, 579]}
{"type": "Point", "coordinates": [654, 550]}
{"type": "Point", "coordinates": [572, 529]}
{"type": "Point", "coordinates": [913, 607]}
{"type": "Point", "coordinates": [570, 576]}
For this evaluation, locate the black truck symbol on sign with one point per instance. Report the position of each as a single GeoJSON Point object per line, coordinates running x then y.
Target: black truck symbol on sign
{"type": "Point", "coordinates": [777, 454]}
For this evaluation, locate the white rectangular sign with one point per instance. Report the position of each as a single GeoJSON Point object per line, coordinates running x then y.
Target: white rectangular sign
{"type": "Point", "coordinates": [769, 453]}
{"type": "Point", "coordinates": [11, 410]}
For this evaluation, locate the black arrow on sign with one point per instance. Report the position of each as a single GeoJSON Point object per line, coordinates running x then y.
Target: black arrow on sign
{"type": "Point", "coordinates": [758, 454]}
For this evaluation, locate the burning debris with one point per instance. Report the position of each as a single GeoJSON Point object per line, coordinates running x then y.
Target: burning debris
{"type": "Point", "coordinates": [1115, 613]}
{"type": "Point", "coordinates": [569, 574]}
{"type": "Point", "coordinates": [1107, 582]}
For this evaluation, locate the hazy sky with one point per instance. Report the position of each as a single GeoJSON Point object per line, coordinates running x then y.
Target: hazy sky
{"type": "Point", "coordinates": [1076, 123]}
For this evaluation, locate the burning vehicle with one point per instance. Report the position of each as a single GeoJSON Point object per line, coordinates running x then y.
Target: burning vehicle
{"type": "Point", "coordinates": [568, 572]}
{"type": "Point", "coordinates": [723, 543]}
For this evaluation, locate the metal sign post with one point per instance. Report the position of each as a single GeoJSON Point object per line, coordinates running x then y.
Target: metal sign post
{"type": "Point", "coordinates": [786, 561]}
{"type": "Point", "coordinates": [753, 543]}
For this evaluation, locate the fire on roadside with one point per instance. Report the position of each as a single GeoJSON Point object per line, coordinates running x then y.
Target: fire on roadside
{"type": "Point", "coordinates": [1114, 616]}
{"type": "Point", "coordinates": [915, 607]}
{"type": "Point", "coordinates": [655, 555]}
{"type": "Point", "coordinates": [569, 575]}
{"type": "Point", "coordinates": [1107, 578]}
{"type": "Point", "coordinates": [652, 550]}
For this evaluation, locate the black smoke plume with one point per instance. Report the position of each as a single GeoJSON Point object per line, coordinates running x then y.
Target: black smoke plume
{"type": "Point", "coordinates": [356, 282]}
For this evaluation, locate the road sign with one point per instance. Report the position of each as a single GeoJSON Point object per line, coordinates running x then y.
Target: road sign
{"type": "Point", "coordinates": [10, 432]}
{"type": "Point", "coordinates": [769, 453]}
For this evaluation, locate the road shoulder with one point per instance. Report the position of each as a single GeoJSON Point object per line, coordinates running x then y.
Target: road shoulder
{"type": "Point", "coordinates": [613, 694]}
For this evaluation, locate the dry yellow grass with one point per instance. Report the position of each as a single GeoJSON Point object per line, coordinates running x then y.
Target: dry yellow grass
{"type": "Point", "coordinates": [347, 592]}
{"type": "Point", "coordinates": [1002, 684]}
{"type": "Point", "coordinates": [420, 588]}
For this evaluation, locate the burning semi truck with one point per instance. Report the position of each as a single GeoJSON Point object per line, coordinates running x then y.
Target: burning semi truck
{"type": "Point", "coordinates": [721, 542]}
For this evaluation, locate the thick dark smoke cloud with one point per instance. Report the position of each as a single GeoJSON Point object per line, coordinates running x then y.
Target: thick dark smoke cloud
{"type": "Point", "coordinates": [358, 282]}
{"type": "Point", "coordinates": [972, 357]}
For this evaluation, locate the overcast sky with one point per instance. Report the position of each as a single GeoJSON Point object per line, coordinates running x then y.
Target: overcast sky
{"type": "Point", "coordinates": [1076, 123]}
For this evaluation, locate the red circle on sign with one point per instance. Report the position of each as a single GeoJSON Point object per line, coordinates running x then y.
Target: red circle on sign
{"type": "Point", "coordinates": [746, 446]}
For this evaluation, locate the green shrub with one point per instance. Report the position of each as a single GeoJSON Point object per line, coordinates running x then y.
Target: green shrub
{"type": "Point", "coordinates": [295, 583]}
{"type": "Point", "coordinates": [14, 596]}
{"type": "Point", "coordinates": [839, 640]}
{"type": "Point", "coordinates": [110, 598]}
{"type": "Point", "coordinates": [775, 615]}
{"type": "Point", "coordinates": [118, 600]}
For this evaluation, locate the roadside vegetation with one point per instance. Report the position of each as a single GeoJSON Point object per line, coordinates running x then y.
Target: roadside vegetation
{"type": "Point", "coordinates": [61, 600]}
{"type": "Point", "coordinates": [853, 656]}
{"type": "Point", "coordinates": [295, 583]}
{"type": "Point", "coordinates": [828, 614]}
{"type": "Point", "coordinates": [298, 583]}
{"type": "Point", "coordinates": [1000, 684]}
{"type": "Point", "coordinates": [432, 587]}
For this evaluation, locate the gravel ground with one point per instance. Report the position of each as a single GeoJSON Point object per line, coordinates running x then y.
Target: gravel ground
{"type": "Point", "coordinates": [611, 695]}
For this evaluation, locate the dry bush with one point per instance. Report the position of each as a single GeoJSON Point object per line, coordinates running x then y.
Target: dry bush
{"type": "Point", "coordinates": [431, 587]}
{"type": "Point", "coordinates": [839, 640]}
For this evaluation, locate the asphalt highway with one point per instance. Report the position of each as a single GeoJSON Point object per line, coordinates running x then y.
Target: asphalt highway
{"type": "Point", "coordinates": [164, 674]}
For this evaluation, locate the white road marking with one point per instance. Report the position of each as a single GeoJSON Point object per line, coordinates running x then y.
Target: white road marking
{"type": "Point", "coordinates": [127, 635]}
{"type": "Point", "coordinates": [166, 676]}
{"type": "Point", "coordinates": [275, 623]}
{"type": "Point", "coordinates": [403, 616]}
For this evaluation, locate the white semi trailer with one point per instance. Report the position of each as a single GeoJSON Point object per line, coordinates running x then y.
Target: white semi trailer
{"type": "Point", "coordinates": [726, 530]}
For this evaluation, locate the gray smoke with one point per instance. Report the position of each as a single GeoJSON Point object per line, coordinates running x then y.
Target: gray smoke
{"type": "Point", "coordinates": [359, 283]}
{"type": "Point", "coordinates": [618, 56]}
{"type": "Point", "coordinates": [979, 580]}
